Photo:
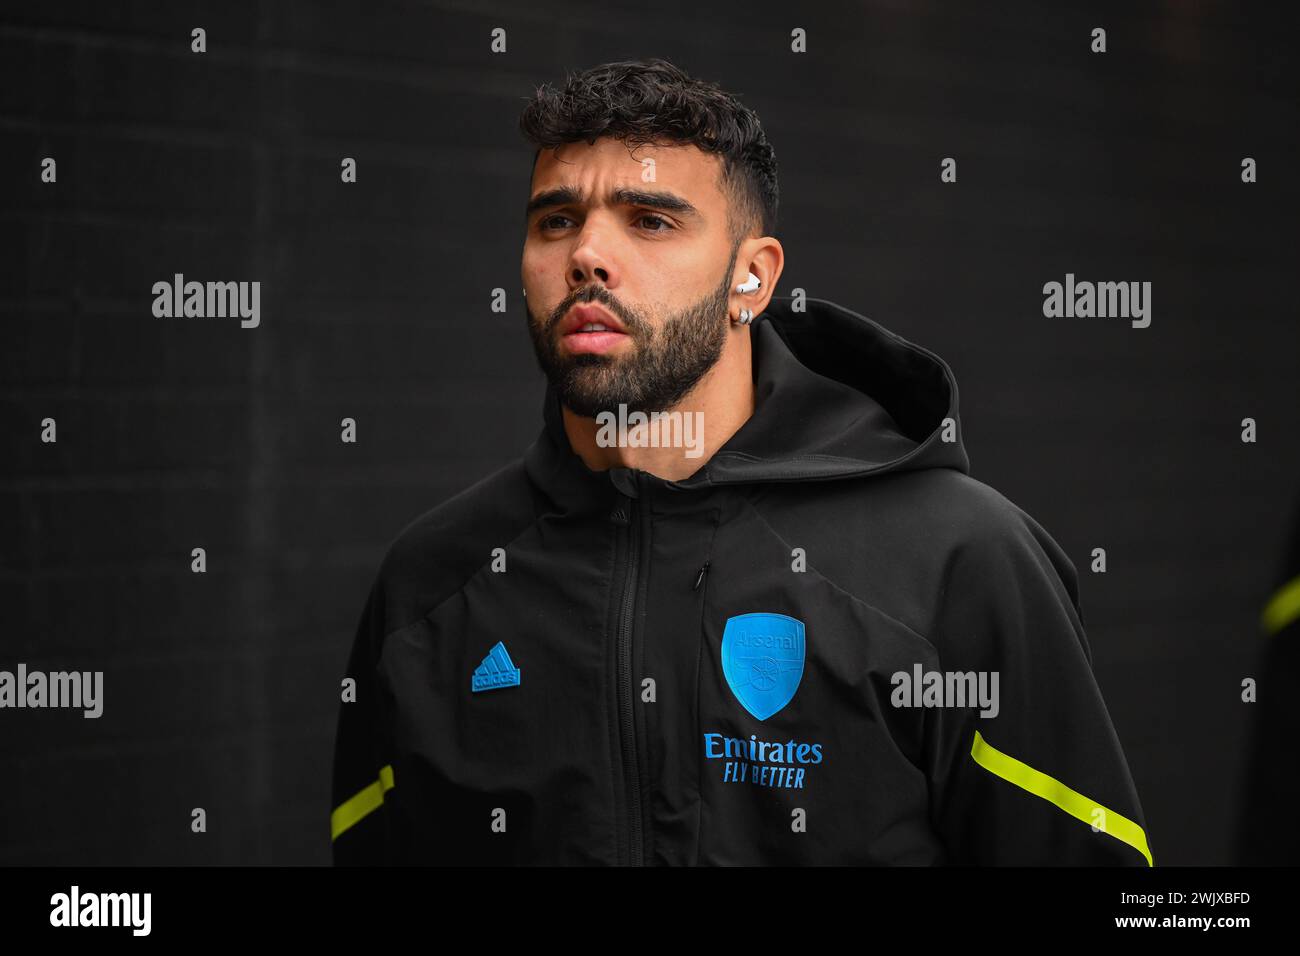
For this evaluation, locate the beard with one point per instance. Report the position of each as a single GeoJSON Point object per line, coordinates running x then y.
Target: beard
{"type": "Point", "coordinates": [667, 358]}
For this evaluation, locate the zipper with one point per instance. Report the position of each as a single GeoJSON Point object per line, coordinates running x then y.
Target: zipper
{"type": "Point", "coordinates": [633, 511]}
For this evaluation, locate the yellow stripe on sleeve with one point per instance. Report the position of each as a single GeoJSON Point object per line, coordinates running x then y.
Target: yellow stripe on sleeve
{"type": "Point", "coordinates": [356, 808]}
{"type": "Point", "coordinates": [1053, 791]}
{"type": "Point", "coordinates": [1282, 608]}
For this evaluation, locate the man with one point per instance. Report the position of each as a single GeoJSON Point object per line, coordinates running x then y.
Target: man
{"type": "Point", "coordinates": [1267, 834]}
{"type": "Point", "coordinates": [777, 623]}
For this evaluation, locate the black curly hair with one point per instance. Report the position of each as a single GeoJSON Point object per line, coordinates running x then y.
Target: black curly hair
{"type": "Point", "coordinates": [653, 101]}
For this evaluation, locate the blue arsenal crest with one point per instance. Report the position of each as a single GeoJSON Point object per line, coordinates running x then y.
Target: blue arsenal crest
{"type": "Point", "coordinates": [762, 659]}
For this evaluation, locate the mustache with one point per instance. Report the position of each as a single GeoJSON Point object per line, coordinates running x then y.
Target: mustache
{"type": "Point", "coordinates": [598, 294]}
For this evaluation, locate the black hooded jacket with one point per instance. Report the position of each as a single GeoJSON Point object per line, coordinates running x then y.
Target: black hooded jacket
{"type": "Point", "coordinates": [759, 664]}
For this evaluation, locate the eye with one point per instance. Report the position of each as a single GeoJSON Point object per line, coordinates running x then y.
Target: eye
{"type": "Point", "coordinates": [668, 226]}
{"type": "Point", "coordinates": [661, 224]}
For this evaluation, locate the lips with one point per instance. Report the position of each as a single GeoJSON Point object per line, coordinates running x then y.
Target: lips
{"type": "Point", "coordinates": [591, 329]}
{"type": "Point", "coordinates": [582, 316]}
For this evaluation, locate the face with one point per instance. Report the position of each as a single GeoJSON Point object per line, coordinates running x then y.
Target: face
{"type": "Point", "coordinates": [627, 281]}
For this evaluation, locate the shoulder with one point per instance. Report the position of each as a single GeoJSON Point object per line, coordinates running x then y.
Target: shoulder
{"type": "Point", "coordinates": [960, 514]}
{"type": "Point", "coordinates": [979, 531]}
{"type": "Point", "coordinates": [913, 543]}
{"type": "Point", "coordinates": [436, 552]}
{"type": "Point", "coordinates": [929, 515]}
{"type": "Point", "coordinates": [987, 518]}
{"type": "Point", "coordinates": [1002, 579]}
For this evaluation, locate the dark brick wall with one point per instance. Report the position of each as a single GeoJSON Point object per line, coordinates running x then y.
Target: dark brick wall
{"type": "Point", "coordinates": [221, 689]}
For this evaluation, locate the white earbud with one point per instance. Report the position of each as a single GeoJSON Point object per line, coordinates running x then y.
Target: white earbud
{"type": "Point", "coordinates": [750, 285]}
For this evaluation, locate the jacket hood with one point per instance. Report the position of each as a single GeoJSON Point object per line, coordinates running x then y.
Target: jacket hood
{"type": "Point", "coordinates": [836, 395]}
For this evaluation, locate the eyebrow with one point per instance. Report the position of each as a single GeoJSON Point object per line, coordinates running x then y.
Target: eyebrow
{"type": "Point", "coordinates": [572, 196]}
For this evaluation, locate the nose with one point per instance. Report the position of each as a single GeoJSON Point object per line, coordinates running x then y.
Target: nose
{"type": "Point", "coordinates": [588, 263]}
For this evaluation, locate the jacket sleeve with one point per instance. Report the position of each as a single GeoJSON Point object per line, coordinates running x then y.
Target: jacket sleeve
{"type": "Point", "coordinates": [363, 752]}
{"type": "Point", "coordinates": [1042, 779]}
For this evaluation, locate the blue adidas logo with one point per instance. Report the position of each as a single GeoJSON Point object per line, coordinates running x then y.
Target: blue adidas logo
{"type": "Point", "coordinates": [497, 670]}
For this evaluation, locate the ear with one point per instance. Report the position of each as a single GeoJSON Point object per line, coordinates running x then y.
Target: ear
{"type": "Point", "coordinates": [763, 258]}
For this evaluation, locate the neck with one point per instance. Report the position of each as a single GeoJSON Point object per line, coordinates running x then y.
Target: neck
{"type": "Point", "coordinates": [687, 434]}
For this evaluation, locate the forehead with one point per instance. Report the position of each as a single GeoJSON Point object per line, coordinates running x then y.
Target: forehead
{"type": "Point", "coordinates": [685, 167]}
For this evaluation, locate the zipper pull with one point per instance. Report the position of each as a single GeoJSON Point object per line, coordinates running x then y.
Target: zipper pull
{"type": "Point", "coordinates": [704, 569]}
